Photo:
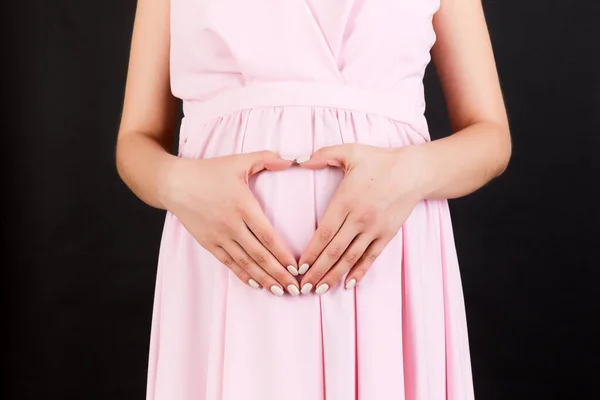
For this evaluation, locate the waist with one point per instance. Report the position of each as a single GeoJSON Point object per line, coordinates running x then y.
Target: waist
{"type": "Point", "coordinates": [401, 107]}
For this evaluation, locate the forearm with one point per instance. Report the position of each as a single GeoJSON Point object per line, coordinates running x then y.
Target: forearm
{"type": "Point", "coordinates": [145, 166]}
{"type": "Point", "coordinates": [463, 162]}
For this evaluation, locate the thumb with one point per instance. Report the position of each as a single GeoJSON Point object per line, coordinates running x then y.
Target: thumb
{"type": "Point", "coordinates": [258, 161]}
{"type": "Point", "coordinates": [333, 156]}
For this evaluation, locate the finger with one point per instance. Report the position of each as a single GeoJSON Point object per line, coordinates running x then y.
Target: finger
{"type": "Point", "coordinates": [226, 260]}
{"type": "Point", "coordinates": [358, 272]}
{"type": "Point", "coordinates": [261, 228]}
{"type": "Point", "coordinates": [351, 256]}
{"type": "Point", "coordinates": [333, 156]}
{"type": "Point", "coordinates": [264, 259]}
{"type": "Point", "coordinates": [246, 262]}
{"type": "Point", "coordinates": [330, 255]}
{"type": "Point", "coordinates": [254, 162]}
{"type": "Point", "coordinates": [330, 224]}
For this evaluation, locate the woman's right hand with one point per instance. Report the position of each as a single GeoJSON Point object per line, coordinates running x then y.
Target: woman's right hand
{"type": "Point", "coordinates": [212, 200]}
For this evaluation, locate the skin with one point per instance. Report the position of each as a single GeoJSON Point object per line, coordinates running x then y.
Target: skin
{"type": "Point", "coordinates": [355, 229]}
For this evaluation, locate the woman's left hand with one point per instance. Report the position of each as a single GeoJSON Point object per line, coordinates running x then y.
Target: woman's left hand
{"type": "Point", "coordinates": [376, 196]}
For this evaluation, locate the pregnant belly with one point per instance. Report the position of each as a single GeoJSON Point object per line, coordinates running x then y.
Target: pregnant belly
{"type": "Point", "coordinates": [295, 199]}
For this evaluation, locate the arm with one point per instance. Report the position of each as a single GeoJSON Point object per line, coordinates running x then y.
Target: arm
{"type": "Point", "coordinates": [382, 186]}
{"type": "Point", "coordinates": [186, 187]}
{"type": "Point", "coordinates": [481, 147]}
{"type": "Point", "coordinates": [149, 111]}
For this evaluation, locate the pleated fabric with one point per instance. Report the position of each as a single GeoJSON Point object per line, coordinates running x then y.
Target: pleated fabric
{"type": "Point", "coordinates": [293, 77]}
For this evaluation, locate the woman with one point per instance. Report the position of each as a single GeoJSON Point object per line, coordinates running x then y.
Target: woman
{"type": "Point", "coordinates": [307, 251]}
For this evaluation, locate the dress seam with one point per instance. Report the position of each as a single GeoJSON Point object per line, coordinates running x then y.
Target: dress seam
{"type": "Point", "coordinates": [352, 110]}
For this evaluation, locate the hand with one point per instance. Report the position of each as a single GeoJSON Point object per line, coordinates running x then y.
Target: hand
{"type": "Point", "coordinates": [377, 194]}
{"type": "Point", "coordinates": [211, 198]}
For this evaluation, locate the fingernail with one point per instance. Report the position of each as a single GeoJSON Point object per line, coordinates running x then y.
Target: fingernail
{"type": "Point", "coordinates": [322, 289]}
{"type": "Point", "coordinates": [254, 284]}
{"type": "Point", "coordinates": [351, 283]}
{"type": "Point", "coordinates": [303, 269]}
{"type": "Point", "coordinates": [293, 290]}
{"type": "Point", "coordinates": [300, 160]}
{"type": "Point", "coordinates": [276, 290]}
{"type": "Point", "coordinates": [306, 288]}
{"type": "Point", "coordinates": [292, 270]}
{"type": "Point", "coordinates": [287, 158]}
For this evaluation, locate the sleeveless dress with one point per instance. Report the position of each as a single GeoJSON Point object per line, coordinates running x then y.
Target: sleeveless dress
{"type": "Point", "coordinates": [293, 76]}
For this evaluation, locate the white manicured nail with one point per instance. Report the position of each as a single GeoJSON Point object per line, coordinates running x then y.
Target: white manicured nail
{"type": "Point", "coordinates": [303, 269]}
{"type": "Point", "coordinates": [254, 284]}
{"type": "Point", "coordinates": [276, 290]}
{"type": "Point", "coordinates": [288, 158]}
{"type": "Point", "coordinates": [322, 289]}
{"type": "Point", "coordinates": [293, 290]}
{"type": "Point", "coordinates": [300, 160]}
{"type": "Point", "coordinates": [292, 270]}
{"type": "Point", "coordinates": [351, 283]}
{"type": "Point", "coordinates": [306, 288]}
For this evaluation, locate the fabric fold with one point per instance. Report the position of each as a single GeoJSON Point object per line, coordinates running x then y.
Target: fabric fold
{"type": "Point", "coordinates": [219, 339]}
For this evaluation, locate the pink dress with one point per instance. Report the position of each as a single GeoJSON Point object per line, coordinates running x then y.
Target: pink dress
{"type": "Point", "coordinates": [293, 76]}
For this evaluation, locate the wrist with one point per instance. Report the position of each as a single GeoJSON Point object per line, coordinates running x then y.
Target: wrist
{"type": "Point", "coordinates": [417, 161]}
{"type": "Point", "coordinates": [172, 182]}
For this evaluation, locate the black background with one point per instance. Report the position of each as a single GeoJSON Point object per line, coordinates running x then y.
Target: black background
{"type": "Point", "coordinates": [80, 250]}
